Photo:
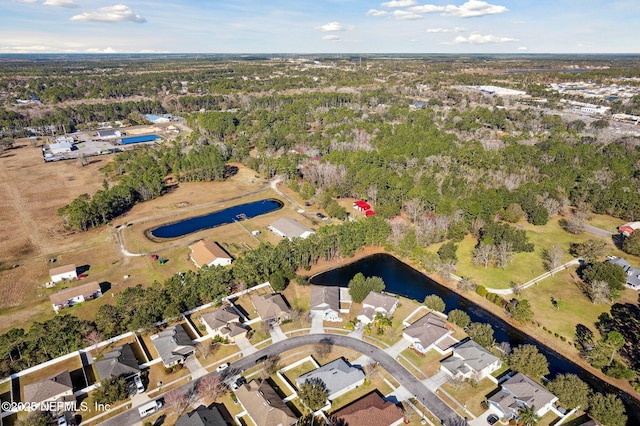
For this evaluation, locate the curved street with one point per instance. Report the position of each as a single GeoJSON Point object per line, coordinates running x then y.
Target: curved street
{"type": "Point", "coordinates": [408, 380]}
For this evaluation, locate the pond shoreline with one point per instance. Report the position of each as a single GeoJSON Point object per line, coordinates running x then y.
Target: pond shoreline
{"type": "Point", "coordinates": [532, 331]}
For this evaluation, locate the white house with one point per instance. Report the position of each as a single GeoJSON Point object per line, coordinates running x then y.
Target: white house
{"type": "Point", "coordinates": [471, 361]}
{"type": "Point", "coordinates": [209, 253]}
{"type": "Point", "coordinates": [61, 273]}
{"type": "Point", "coordinates": [110, 134]}
{"type": "Point", "coordinates": [377, 303]}
{"type": "Point", "coordinates": [519, 391]}
{"type": "Point", "coordinates": [60, 147]}
{"type": "Point", "coordinates": [71, 296]}
{"type": "Point", "coordinates": [429, 332]}
{"type": "Point", "coordinates": [325, 302]}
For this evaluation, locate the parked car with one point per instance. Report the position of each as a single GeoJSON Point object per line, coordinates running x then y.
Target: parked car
{"type": "Point", "coordinates": [222, 367]}
{"type": "Point", "coordinates": [139, 385]}
{"type": "Point", "coordinates": [492, 419]}
{"type": "Point", "coordinates": [321, 216]}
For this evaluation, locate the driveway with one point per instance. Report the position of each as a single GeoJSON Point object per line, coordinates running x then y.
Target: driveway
{"type": "Point", "coordinates": [194, 366]}
{"type": "Point", "coordinates": [437, 380]}
{"type": "Point", "coordinates": [398, 347]}
{"type": "Point", "coordinates": [245, 345]}
{"type": "Point", "coordinates": [276, 333]}
{"type": "Point", "coordinates": [317, 324]}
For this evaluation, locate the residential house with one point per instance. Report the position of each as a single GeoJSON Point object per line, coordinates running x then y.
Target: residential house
{"type": "Point", "coordinates": [290, 228]}
{"type": "Point", "coordinates": [338, 376]}
{"type": "Point", "coordinates": [71, 296]}
{"type": "Point", "coordinates": [271, 307]}
{"type": "Point", "coordinates": [202, 416]}
{"type": "Point", "coordinates": [470, 361]}
{"type": "Point", "coordinates": [61, 273]}
{"type": "Point", "coordinates": [57, 388]}
{"type": "Point", "coordinates": [209, 253]}
{"type": "Point", "coordinates": [325, 302]}
{"type": "Point", "coordinates": [361, 205]}
{"type": "Point", "coordinates": [120, 362]}
{"type": "Point", "coordinates": [628, 228]}
{"type": "Point", "coordinates": [263, 405]}
{"type": "Point", "coordinates": [173, 345]}
{"type": "Point", "coordinates": [632, 274]}
{"type": "Point", "coordinates": [370, 410]}
{"type": "Point", "coordinates": [376, 303]}
{"type": "Point", "coordinates": [224, 322]}
{"type": "Point", "coordinates": [429, 332]}
{"type": "Point", "coordinates": [519, 391]}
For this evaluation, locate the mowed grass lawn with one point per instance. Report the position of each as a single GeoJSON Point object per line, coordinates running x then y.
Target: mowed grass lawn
{"type": "Point", "coordinates": [574, 307]}
{"type": "Point", "coordinates": [525, 266]}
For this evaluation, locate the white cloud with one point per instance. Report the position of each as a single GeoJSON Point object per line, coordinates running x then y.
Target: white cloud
{"type": "Point", "coordinates": [375, 12]}
{"type": "Point", "coordinates": [481, 39]}
{"type": "Point", "coordinates": [398, 3]}
{"type": "Point", "coordinates": [333, 26]}
{"type": "Point", "coordinates": [474, 8]}
{"type": "Point", "coordinates": [446, 30]}
{"type": "Point", "coordinates": [406, 15]}
{"type": "Point", "coordinates": [69, 4]}
{"type": "Point", "coordinates": [470, 9]}
{"type": "Point", "coordinates": [97, 50]}
{"type": "Point", "coordinates": [25, 49]}
{"type": "Point", "coordinates": [110, 14]}
{"type": "Point", "coordinates": [331, 37]}
{"type": "Point", "coordinates": [428, 8]}
{"type": "Point", "coordinates": [523, 48]}
{"type": "Point", "coordinates": [27, 1]}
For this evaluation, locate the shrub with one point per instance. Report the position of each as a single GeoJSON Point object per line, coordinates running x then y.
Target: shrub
{"type": "Point", "coordinates": [482, 290]}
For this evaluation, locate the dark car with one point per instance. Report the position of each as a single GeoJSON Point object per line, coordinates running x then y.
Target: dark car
{"type": "Point", "coordinates": [320, 215]}
{"type": "Point", "coordinates": [492, 419]}
{"type": "Point", "coordinates": [262, 358]}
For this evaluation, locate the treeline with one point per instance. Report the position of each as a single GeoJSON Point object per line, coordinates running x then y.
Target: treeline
{"type": "Point", "coordinates": [139, 308]}
{"type": "Point", "coordinates": [141, 176]}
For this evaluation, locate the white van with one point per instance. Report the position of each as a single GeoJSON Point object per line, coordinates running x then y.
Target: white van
{"type": "Point", "coordinates": [149, 408]}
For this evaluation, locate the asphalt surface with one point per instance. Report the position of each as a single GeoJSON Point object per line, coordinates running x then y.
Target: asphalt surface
{"type": "Point", "coordinates": [408, 380]}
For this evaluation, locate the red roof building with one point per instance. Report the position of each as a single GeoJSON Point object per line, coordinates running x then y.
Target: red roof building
{"type": "Point", "coordinates": [369, 213]}
{"type": "Point", "coordinates": [361, 205]}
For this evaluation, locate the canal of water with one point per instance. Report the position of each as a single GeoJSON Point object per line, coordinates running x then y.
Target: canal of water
{"type": "Point", "coordinates": [405, 281]}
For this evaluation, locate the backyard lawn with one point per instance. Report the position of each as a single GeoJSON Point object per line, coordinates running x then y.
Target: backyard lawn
{"type": "Point", "coordinates": [471, 395]}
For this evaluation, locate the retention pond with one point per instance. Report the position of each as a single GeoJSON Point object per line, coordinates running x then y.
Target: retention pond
{"type": "Point", "coordinates": [217, 218]}
{"type": "Point", "coordinates": [403, 280]}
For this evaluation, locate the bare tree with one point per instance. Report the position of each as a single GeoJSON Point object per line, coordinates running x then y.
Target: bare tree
{"type": "Point", "coordinates": [204, 348]}
{"type": "Point", "coordinates": [575, 224]}
{"type": "Point", "coordinates": [323, 348]}
{"type": "Point", "coordinates": [369, 370]}
{"type": "Point", "coordinates": [552, 257]}
{"type": "Point", "coordinates": [177, 400]}
{"type": "Point", "coordinates": [483, 254]}
{"type": "Point", "coordinates": [272, 364]}
{"type": "Point", "coordinates": [466, 284]}
{"type": "Point", "coordinates": [476, 226]}
{"type": "Point", "coordinates": [504, 348]}
{"type": "Point", "coordinates": [503, 254]}
{"type": "Point", "coordinates": [599, 292]}
{"type": "Point", "coordinates": [446, 269]}
{"type": "Point", "coordinates": [94, 337]}
{"type": "Point", "coordinates": [516, 288]}
{"type": "Point", "coordinates": [414, 209]}
{"type": "Point", "coordinates": [372, 194]}
{"type": "Point", "coordinates": [211, 385]}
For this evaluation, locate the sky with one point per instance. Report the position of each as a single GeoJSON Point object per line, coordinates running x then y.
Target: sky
{"type": "Point", "coordinates": [320, 26]}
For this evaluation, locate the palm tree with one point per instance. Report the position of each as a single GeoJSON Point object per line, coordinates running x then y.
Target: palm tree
{"type": "Point", "coordinates": [527, 416]}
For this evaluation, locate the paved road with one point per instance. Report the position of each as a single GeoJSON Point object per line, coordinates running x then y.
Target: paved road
{"type": "Point", "coordinates": [598, 232]}
{"type": "Point", "coordinates": [395, 369]}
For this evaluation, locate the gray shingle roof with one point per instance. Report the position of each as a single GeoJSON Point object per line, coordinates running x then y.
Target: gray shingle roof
{"type": "Point", "coordinates": [290, 228]}
{"type": "Point", "coordinates": [632, 274]}
{"type": "Point", "coordinates": [202, 416]}
{"type": "Point", "coordinates": [524, 389]}
{"type": "Point", "coordinates": [270, 306]}
{"type": "Point", "coordinates": [336, 375]}
{"type": "Point", "coordinates": [48, 388]}
{"type": "Point", "coordinates": [173, 344]}
{"type": "Point", "coordinates": [469, 355]}
{"type": "Point", "coordinates": [220, 317]}
{"type": "Point", "coordinates": [325, 297]}
{"type": "Point", "coordinates": [119, 362]}
{"type": "Point", "coordinates": [427, 330]}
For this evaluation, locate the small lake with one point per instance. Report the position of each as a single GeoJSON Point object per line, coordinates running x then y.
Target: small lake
{"type": "Point", "coordinates": [403, 280]}
{"type": "Point", "coordinates": [217, 218]}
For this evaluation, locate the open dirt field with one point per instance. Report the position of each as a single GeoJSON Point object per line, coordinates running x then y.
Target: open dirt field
{"type": "Point", "coordinates": [31, 233]}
